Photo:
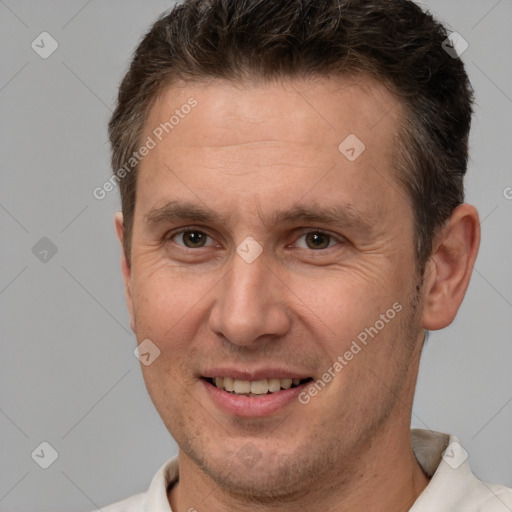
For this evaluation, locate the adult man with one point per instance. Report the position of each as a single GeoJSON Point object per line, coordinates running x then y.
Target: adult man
{"type": "Point", "coordinates": [293, 223]}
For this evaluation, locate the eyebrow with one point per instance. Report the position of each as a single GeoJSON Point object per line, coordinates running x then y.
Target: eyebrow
{"type": "Point", "coordinates": [345, 216]}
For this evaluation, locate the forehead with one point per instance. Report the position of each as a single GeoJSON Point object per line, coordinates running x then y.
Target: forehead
{"type": "Point", "coordinates": [313, 112]}
{"type": "Point", "coordinates": [272, 140]}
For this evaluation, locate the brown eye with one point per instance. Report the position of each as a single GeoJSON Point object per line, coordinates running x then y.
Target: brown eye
{"type": "Point", "coordinates": [316, 240]}
{"type": "Point", "coordinates": [191, 239]}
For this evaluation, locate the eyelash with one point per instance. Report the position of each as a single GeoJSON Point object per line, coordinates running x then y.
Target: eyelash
{"type": "Point", "coordinates": [340, 240]}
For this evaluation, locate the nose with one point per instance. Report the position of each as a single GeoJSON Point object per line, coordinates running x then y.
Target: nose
{"type": "Point", "coordinates": [251, 306]}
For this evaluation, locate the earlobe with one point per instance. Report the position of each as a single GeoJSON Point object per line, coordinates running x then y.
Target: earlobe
{"type": "Point", "coordinates": [450, 267]}
{"type": "Point", "coordinates": [125, 268]}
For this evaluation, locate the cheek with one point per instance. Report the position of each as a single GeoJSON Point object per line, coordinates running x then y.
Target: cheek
{"type": "Point", "coordinates": [162, 300]}
{"type": "Point", "coordinates": [168, 310]}
{"type": "Point", "coordinates": [346, 299]}
{"type": "Point", "coordinates": [357, 316]}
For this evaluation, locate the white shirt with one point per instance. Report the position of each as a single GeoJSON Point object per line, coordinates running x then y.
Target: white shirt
{"type": "Point", "coordinates": [452, 488]}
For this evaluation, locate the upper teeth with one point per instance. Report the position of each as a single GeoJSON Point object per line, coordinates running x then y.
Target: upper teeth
{"type": "Point", "coordinates": [256, 387]}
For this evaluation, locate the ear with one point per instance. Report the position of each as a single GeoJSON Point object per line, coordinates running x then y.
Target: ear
{"type": "Point", "coordinates": [125, 268]}
{"type": "Point", "coordinates": [449, 270]}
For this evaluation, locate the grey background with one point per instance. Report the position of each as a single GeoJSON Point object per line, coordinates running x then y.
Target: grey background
{"type": "Point", "coordinates": [68, 374]}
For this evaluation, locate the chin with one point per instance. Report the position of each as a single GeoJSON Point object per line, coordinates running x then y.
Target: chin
{"type": "Point", "coordinates": [263, 477]}
{"type": "Point", "coordinates": [259, 485]}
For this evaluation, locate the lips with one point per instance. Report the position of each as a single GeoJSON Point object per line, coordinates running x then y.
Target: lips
{"type": "Point", "coordinates": [253, 393]}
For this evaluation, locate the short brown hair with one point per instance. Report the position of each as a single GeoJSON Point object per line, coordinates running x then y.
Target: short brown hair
{"type": "Point", "coordinates": [393, 41]}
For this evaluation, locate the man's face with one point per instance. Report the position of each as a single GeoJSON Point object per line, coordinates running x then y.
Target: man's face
{"type": "Point", "coordinates": [258, 168]}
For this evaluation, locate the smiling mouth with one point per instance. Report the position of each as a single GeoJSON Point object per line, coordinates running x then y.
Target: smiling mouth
{"type": "Point", "coordinates": [255, 388]}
